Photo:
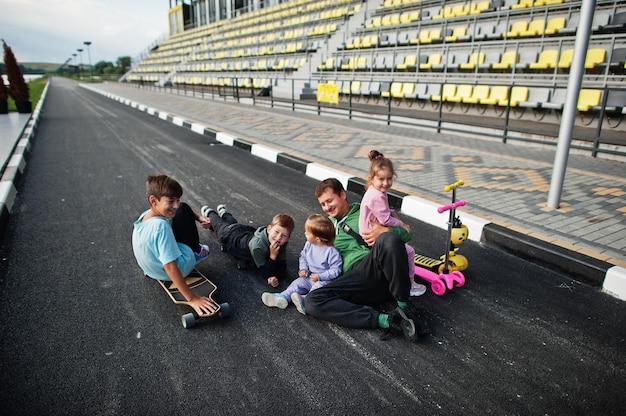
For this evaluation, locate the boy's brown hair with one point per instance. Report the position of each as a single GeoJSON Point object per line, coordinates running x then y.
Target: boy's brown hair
{"type": "Point", "coordinates": [285, 221]}
{"type": "Point", "coordinates": [321, 227]}
{"type": "Point", "coordinates": [163, 185]}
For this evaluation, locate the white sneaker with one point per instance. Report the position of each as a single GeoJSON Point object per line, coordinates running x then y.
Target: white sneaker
{"type": "Point", "coordinates": [298, 302]}
{"type": "Point", "coordinates": [203, 254]}
{"type": "Point", "coordinates": [221, 210]}
{"type": "Point", "coordinates": [417, 289]}
{"type": "Point", "coordinates": [274, 300]}
{"type": "Point", "coordinates": [205, 211]}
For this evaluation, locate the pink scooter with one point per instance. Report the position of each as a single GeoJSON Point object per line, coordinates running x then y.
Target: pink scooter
{"type": "Point", "coordinates": [445, 278]}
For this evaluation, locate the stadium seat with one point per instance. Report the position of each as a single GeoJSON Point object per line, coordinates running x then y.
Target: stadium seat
{"type": "Point", "coordinates": [369, 41]}
{"type": "Point", "coordinates": [458, 34]}
{"type": "Point", "coordinates": [475, 59]}
{"type": "Point", "coordinates": [565, 60]}
{"type": "Point", "coordinates": [547, 59]}
{"type": "Point", "coordinates": [327, 65]}
{"type": "Point", "coordinates": [523, 4]}
{"type": "Point", "coordinates": [447, 91]}
{"type": "Point", "coordinates": [557, 99]}
{"type": "Point", "coordinates": [536, 98]}
{"type": "Point", "coordinates": [480, 92]}
{"type": "Point", "coordinates": [361, 63]}
{"type": "Point", "coordinates": [554, 26]}
{"type": "Point", "coordinates": [617, 23]}
{"type": "Point", "coordinates": [615, 102]}
{"type": "Point", "coordinates": [347, 64]}
{"type": "Point", "coordinates": [463, 91]}
{"type": "Point", "coordinates": [616, 62]}
{"type": "Point", "coordinates": [434, 59]}
{"type": "Point", "coordinates": [409, 63]}
{"type": "Point", "coordinates": [498, 95]}
{"type": "Point", "coordinates": [517, 29]}
{"type": "Point", "coordinates": [374, 22]}
{"type": "Point", "coordinates": [518, 95]}
{"type": "Point", "coordinates": [595, 57]}
{"type": "Point", "coordinates": [508, 60]}
{"type": "Point", "coordinates": [588, 99]}
{"type": "Point", "coordinates": [535, 28]}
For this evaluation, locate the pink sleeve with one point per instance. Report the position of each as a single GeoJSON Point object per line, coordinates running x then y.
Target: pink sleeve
{"type": "Point", "coordinates": [375, 208]}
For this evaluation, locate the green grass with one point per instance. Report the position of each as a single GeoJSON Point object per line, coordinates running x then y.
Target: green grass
{"type": "Point", "coordinates": [35, 90]}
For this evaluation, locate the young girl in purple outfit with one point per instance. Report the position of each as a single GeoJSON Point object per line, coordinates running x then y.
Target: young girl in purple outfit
{"type": "Point", "coordinates": [320, 262]}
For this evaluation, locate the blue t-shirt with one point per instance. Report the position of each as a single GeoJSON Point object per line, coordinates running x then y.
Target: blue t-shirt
{"type": "Point", "coordinates": [154, 246]}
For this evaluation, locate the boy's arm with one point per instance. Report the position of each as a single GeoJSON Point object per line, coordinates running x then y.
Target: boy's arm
{"type": "Point", "coordinates": [202, 305]}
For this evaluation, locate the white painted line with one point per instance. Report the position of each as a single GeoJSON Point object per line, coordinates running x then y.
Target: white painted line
{"type": "Point", "coordinates": [225, 138]}
{"type": "Point", "coordinates": [265, 152]}
{"type": "Point", "coordinates": [615, 282]}
{"type": "Point", "coordinates": [321, 172]}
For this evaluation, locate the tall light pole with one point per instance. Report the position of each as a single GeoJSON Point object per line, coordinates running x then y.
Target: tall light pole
{"type": "Point", "coordinates": [74, 61]}
{"type": "Point", "coordinates": [87, 43]}
{"type": "Point", "coordinates": [80, 52]}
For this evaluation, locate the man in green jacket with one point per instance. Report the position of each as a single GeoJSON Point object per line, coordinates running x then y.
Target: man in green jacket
{"type": "Point", "coordinates": [374, 271]}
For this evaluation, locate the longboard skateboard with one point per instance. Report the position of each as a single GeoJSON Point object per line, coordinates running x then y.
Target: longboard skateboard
{"type": "Point", "coordinates": [201, 286]}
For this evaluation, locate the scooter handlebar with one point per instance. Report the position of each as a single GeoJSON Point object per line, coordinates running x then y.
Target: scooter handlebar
{"type": "Point", "coordinates": [452, 186]}
{"type": "Point", "coordinates": [445, 208]}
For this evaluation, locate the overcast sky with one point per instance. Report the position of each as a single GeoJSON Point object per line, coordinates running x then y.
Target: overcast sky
{"type": "Point", "coordinates": [51, 30]}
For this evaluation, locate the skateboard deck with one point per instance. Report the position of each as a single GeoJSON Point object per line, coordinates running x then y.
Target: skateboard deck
{"type": "Point", "coordinates": [199, 285]}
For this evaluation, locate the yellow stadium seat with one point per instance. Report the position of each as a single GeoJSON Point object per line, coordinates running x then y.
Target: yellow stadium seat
{"type": "Point", "coordinates": [587, 99]}
{"type": "Point", "coordinates": [554, 25]}
{"type": "Point", "coordinates": [374, 23]}
{"type": "Point", "coordinates": [448, 90]}
{"type": "Point", "coordinates": [518, 95]}
{"type": "Point", "coordinates": [535, 28]}
{"type": "Point", "coordinates": [479, 93]}
{"type": "Point", "coordinates": [457, 33]}
{"type": "Point", "coordinates": [547, 59]}
{"type": "Point", "coordinates": [517, 29]}
{"type": "Point", "coordinates": [523, 4]}
{"type": "Point", "coordinates": [462, 91]}
{"type": "Point", "coordinates": [508, 59]}
{"type": "Point", "coordinates": [476, 58]}
{"type": "Point", "coordinates": [434, 59]}
{"type": "Point", "coordinates": [409, 64]}
{"type": "Point", "coordinates": [394, 91]}
{"type": "Point", "coordinates": [565, 60]}
{"type": "Point", "coordinates": [595, 57]}
{"type": "Point", "coordinates": [499, 95]}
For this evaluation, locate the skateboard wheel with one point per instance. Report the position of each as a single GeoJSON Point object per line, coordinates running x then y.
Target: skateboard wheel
{"type": "Point", "coordinates": [188, 320]}
{"type": "Point", "coordinates": [224, 310]}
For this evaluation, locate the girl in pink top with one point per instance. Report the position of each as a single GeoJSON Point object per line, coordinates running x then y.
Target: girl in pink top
{"type": "Point", "coordinates": [375, 207]}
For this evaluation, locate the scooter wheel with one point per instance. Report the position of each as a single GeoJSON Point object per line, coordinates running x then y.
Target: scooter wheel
{"type": "Point", "coordinates": [438, 287]}
{"type": "Point", "coordinates": [459, 279]}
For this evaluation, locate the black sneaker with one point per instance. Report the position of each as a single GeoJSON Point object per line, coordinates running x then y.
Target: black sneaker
{"type": "Point", "coordinates": [400, 323]}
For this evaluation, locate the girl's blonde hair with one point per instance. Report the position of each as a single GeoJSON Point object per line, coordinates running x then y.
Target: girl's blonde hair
{"type": "Point", "coordinates": [378, 162]}
{"type": "Point", "coordinates": [321, 227]}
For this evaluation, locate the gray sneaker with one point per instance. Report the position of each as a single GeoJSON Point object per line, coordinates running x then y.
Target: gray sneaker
{"type": "Point", "coordinates": [298, 302]}
{"type": "Point", "coordinates": [400, 323]}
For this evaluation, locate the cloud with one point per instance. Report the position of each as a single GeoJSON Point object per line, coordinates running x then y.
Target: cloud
{"type": "Point", "coordinates": [51, 30]}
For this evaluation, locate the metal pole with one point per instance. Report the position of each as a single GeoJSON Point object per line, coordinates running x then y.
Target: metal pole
{"type": "Point", "coordinates": [577, 71]}
{"type": "Point", "coordinates": [89, 55]}
{"type": "Point", "coordinates": [80, 53]}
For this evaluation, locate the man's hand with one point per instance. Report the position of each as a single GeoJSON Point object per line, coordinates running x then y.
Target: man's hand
{"type": "Point", "coordinates": [273, 281]}
{"type": "Point", "coordinates": [370, 236]}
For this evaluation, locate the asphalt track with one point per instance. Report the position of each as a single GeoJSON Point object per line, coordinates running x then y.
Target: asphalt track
{"type": "Point", "coordinates": [83, 332]}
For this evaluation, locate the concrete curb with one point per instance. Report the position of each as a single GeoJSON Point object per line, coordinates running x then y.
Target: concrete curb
{"type": "Point", "coordinates": [17, 163]}
{"type": "Point", "coordinates": [611, 279]}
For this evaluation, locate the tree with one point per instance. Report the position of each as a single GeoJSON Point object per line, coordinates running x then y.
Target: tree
{"type": "Point", "coordinates": [18, 88]}
{"type": "Point", "coordinates": [4, 96]}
